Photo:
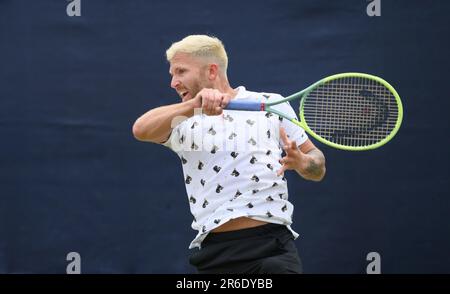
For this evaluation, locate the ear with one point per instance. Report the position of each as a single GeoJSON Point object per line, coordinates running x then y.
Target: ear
{"type": "Point", "coordinates": [213, 71]}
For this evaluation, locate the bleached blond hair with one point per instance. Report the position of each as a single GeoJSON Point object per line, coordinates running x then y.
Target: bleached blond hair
{"type": "Point", "coordinates": [203, 46]}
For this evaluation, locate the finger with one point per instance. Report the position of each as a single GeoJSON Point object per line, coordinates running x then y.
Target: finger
{"type": "Point", "coordinates": [206, 106]}
{"type": "Point", "coordinates": [286, 161]}
{"type": "Point", "coordinates": [210, 100]}
{"type": "Point", "coordinates": [218, 110]}
{"type": "Point", "coordinates": [217, 100]}
{"type": "Point", "coordinates": [281, 170]}
{"type": "Point", "coordinates": [293, 145]}
{"type": "Point", "coordinates": [225, 100]}
{"type": "Point", "coordinates": [283, 136]}
{"type": "Point", "coordinates": [288, 149]}
{"type": "Point", "coordinates": [205, 102]}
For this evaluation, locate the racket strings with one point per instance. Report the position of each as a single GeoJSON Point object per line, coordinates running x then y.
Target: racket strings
{"type": "Point", "coordinates": [351, 111]}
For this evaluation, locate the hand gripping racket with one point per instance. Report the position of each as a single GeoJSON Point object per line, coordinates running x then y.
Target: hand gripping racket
{"type": "Point", "coordinates": [349, 111]}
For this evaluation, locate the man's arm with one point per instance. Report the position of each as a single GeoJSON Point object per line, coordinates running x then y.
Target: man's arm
{"type": "Point", "coordinates": [313, 166]}
{"type": "Point", "coordinates": [308, 161]}
{"type": "Point", "coordinates": [156, 125]}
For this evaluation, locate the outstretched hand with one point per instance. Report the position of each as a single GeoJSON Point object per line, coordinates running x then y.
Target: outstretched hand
{"type": "Point", "coordinates": [294, 158]}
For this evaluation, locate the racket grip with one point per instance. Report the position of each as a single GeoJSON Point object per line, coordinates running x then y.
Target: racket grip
{"type": "Point", "coordinates": [249, 105]}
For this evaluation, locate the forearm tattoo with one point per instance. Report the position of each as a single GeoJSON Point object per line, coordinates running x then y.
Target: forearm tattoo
{"type": "Point", "coordinates": [317, 165]}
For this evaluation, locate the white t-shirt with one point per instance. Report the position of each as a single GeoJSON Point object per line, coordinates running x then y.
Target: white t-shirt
{"type": "Point", "coordinates": [230, 163]}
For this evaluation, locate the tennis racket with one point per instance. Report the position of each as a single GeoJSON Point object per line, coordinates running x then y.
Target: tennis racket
{"type": "Point", "coordinates": [349, 111]}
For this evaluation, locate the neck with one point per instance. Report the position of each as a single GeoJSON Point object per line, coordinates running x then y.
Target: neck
{"type": "Point", "coordinates": [224, 87]}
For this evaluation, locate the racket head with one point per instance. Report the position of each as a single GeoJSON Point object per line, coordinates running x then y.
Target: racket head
{"type": "Point", "coordinates": [351, 111]}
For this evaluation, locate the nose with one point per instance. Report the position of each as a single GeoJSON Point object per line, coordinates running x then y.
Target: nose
{"type": "Point", "coordinates": [174, 82]}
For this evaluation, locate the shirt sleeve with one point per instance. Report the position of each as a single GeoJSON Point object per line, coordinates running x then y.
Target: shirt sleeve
{"type": "Point", "coordinates": [176, 139]}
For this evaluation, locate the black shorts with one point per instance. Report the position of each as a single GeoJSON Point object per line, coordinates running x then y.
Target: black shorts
{"type": "Point", "coordinates": [267, 249]}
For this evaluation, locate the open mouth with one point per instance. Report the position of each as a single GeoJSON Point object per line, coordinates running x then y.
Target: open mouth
{"type": "Point", "coordinates": [184, 94]}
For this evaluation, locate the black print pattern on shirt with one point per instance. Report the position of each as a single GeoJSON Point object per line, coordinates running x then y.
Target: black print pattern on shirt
{"type": "Point", "coordinates": [214, 149]}
{"type": "Point", "coordinates": [250, 122]}
{"type": "Point", "coordinates": [200, 165]}
{"type": "Point", "coordinates": [228, 117]}
{"type": "Point", "coordinates": [188, 180]}
{"type": "Point", "coordinates": [181, 139]}
{"type": "Point", "coordinates": [266, 96]}
{"type": "Point", "coordinates": [255, 178]}
{"type": "Point", "coordinates": [211, 131]}
{"type": "Point", "coordinates": [250, 205]}
{"type": "Point", "coordinates": [255, 191]}
{"type": "Point", "coordinates": [194, 146]}
{"type": "Point", "coordinates": [269, 166]}
{"type": "Point", "coordinates": [205, 203]}
{"type": "Point", "coordinates": [269, 198]}
{"type": "Point", "coordinates": [192, 199]}
{"type": "Point", "coordinates": [275, 184]}
{"type": "Point", "coordinates": [281, 195]}
{"type": "Point", "coordinates": [217, 221]}
{"type": "Point", "coordinates": [235, 173]}
{"type": "Point", "coordinates": [202, 181]}
{"type": "Point", "coordinates": [268, 134]}
{"type": "Point", "coordinates": [204, 229]}
{"type": "Point", "coordinates": [234, 154]}
{"type": "Point", "coordinates": [280, 118]}
{"type": "Point", "coordinates": [183, 160]}
{"type": "Point", "coordinates": [219, 188]}
{"type": "Point", "coordinates": [238, 193]}
{"type": "Point", "coordinates": [232, 135]}
{"type": "Point", "coordinates": [217, 168]}
{"type": "Point", "coordinates": [269, 214]}
{"type": "Point", "coordinates": [252, 141]}
{"type": "Point", "coordinates": [194, 124]}
{"type": "Point", "coordinates": [268, 114]}
{"type": "Point", "coordinates": [268, 152]}
{"type": "Point", "coordinates": [253, 160]}
{"type": "Point", "coordinates": [284, 208]}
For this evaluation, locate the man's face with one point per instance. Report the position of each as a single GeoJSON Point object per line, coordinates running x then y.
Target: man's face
{"type": "Point", "coordinates": [189, 75]}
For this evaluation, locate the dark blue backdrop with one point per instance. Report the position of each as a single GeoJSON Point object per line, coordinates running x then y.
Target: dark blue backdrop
{"type": "Point", "coordinates": [73, 178]}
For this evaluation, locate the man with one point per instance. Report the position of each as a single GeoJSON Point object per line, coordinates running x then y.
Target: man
{"type": "Point", "coordinates": [232, 163]}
